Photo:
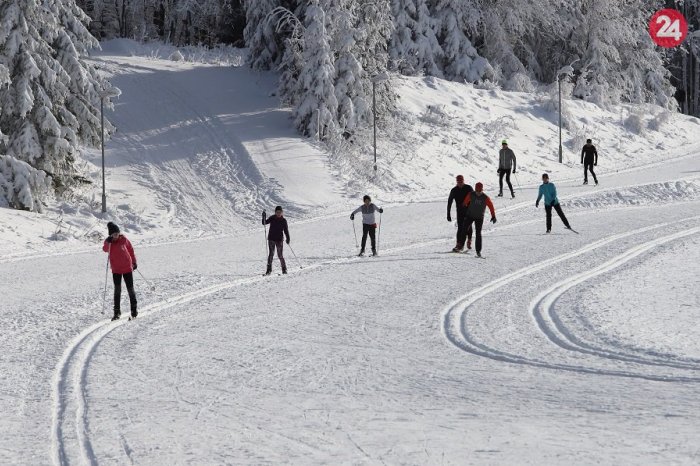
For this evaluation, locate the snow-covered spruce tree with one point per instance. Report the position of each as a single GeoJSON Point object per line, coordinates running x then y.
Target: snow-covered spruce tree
{"type": "Point", "coordinates": [375, 27]}
{"type": "Point", "coordinates": [260, 37]}
{"type": "Point", "coordinates": [315, 114]}
{"type": "Point", "coordinates": [349, 91]}
{"type": "Point", "coordinates": [51, 103]}
{"type": "Point", "coordinates": [453, 20]}
{"type": "Point", "coordinates": [619, 63]}
{"type": "Point", "coordinates": [414, 47]}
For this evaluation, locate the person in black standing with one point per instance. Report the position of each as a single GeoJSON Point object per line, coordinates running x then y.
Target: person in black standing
{"type": "Point", "coordinates": [369, 223]}
{"type": "Point", "coordinates": [506, 162]}
{"type": "Point", "coordinates": [589, 159]}
{"type": "Point", "coordinates": [278, 227]}
{"type": "Point", "coordinates": [464, 231]}
{"type": "Point", "coordinates": [476, 203]}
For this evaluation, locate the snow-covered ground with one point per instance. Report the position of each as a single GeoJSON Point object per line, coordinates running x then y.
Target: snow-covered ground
{"type": "Point", "coordinates": [555, 349]}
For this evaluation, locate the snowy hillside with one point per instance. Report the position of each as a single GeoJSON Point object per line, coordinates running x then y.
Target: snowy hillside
{"type": "Point", "coordinates": [202, 146]}
{"type": "Point", "coordinates": [556, 348]}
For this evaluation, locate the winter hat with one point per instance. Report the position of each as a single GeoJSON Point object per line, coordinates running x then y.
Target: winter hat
{"type": "Point", "coordinates": [366, 198]}
{"type": "Point", "coordinates": [460, 178]}
{"type": "Point", "coordinates": [278, 208]}
{"type": "Point", "coordinates": [504, 142]}
{"type": "Point", "coordinates": [588, 141]}
{"type": "Point", "coordinates": [112, 228]}
{"type": "Point", "coordinates": [479, 187]}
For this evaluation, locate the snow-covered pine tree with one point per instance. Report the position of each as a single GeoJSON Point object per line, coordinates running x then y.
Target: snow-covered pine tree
{"type": "Point", "coordinates": [414, 46]}
{"type": "Point", "coordinates": [51, 103]}
{"type": "Point", "coordinates": [618, 61]}
{"type": "Point", "coordinates": [349, 91]}
{"type": "Point", "coordinates": [316, 113]}
{"type": "Point", "coordinates": [260, 37]}
{"type": "Point", "coordinates": [375, 27]}
{"type": "Point", "coordinates": [453, 20]}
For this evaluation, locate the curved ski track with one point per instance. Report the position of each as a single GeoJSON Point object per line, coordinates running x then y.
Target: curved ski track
{"type": "Point", "coordinates": [455, 316]}
{"type": "Point", "coordinates": [69, 382]}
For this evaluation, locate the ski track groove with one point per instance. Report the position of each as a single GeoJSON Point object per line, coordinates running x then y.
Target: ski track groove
{"type": "Point", "coordinates": [86, 343]}
{"type": "Point", "coordinates": [77, 355]}
{"type": "Point", "coordinates": [542, 308]}
{"type": "Point", "coordinates": [456, 330]}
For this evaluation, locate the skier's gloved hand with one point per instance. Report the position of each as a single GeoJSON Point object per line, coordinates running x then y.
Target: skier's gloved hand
{"type": "Point", "coordinates": [493, 219]}
{"type": "Point", "coordinates": [514, 170]}
{"type": "Point", "coordinates": [352, 216]}
{"type": "Point", "coordinates": [287, 240]}
{"type": "Point", "coordinates": [595, 164]}
{"type": "Point", "coordinates": [135, 265]}
{"type": "Point", "coordinates": [449, 218]}
{"type": "Point", "coordinates": [109, 239]}
{"type": "Point", "coordinates": [381, 211]}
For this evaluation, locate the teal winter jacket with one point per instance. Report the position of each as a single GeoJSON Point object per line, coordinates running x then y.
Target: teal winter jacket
{"type": "Point", "coordinates": [549, 191]}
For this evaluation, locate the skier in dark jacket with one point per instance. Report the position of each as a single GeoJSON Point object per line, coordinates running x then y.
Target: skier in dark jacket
{"type": "Point", "coordinates": [549, 191]}
{"type": "Point", "coordinates": [464, 231]}
{"type": "Point", "coordinates": [278, 227]}
{"type": "Point", "coordinates": [506, 162]}
{"type": "Point", "coordinates": [369, 224]}
{"type": "Point", "coordinates": [123, 262]}
{"type": "Point", "coordinates": [476, 203]}
{"type": "Point", "coordinates": [589, 159]}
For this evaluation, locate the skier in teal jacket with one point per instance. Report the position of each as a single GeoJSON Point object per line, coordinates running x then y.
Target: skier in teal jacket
{"type": "Point", "coordinates": [549, 191]}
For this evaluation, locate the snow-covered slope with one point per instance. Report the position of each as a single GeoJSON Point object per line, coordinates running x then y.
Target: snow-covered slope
{"type": "Point", "coordinates": [554, 349]}
{"type": "Point", "coordinates": [202, 147]}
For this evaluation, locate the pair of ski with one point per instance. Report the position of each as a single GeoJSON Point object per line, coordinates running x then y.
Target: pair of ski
{"type": "Point", "coordinates": [478, 255]}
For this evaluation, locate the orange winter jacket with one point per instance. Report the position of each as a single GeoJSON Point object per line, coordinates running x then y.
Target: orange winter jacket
{"type": "Point", "coordinates": [476, 205]}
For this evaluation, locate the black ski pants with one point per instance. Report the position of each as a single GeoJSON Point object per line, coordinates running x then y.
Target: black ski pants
{"type": "Point", "coordinates": [463, 230]}
{"type": "Point", "coordinates": [478, 224]}
{"type": "Point", "coordinates": [501, 173]}
{"type": "Point", "coordinates": [129, 281]}
{"type": "Point", "coordinates": [557, 207]}
{"type": "Point", "coordinates": [272, 245]}
{"type": "Point", "coordinates": [588, 166]}
{"type": "Point", "coordinates": [369, 230]}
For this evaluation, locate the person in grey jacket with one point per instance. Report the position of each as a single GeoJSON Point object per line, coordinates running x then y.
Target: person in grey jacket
{"type": "Point", "coordinates": [369, 224]}
{"type": "Point", "coordinates": [506, 163]}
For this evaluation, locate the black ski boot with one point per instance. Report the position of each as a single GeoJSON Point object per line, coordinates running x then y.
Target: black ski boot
{"type": "Point", "coordinates": [374, 252]}
{"type": "Point", "coordinates": [284, 271]}
{"type": "Point", "coordinates": [117, 315]}
{"type": "Point", "coordinates": [585, 181]}
{"type": "Point", "coordinates": [512, 195]}
{"type": "Point", "coordinates": [134, 313]}
{"type": "Point", "coordinates": [269, 270]}
{"type": "Point", "coordinates": [362, 253]}
{"type": "Point", "coordinates": [499, 194]}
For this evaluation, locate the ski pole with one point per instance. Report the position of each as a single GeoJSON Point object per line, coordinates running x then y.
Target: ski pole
{"type": "Point", "coordinates": [517, 180]}
{"type": "Point", "coordinates": [379, 230]}
{"type": "Point", "coordinates": [153, 287]}
{"type": "Point", "coordinates": [295, 256]}
{"type": "Point", "coordinates": [104, 293]}
{"type": "Point", "coordinates": [355, 233]}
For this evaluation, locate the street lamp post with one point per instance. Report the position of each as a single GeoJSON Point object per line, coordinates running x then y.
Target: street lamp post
{"type": "Point", "coordinates": [102, 145]}
{"type": "Point", "coordinates": [376, 79]}
{"type": "Point", "coordinates": [107, 93]}
{"type": "Point", "coordinates": [560, 148]}
{"type": "Point", "coordinates": [567, 70]}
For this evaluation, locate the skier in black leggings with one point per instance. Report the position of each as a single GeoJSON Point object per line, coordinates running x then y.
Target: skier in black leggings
{"type": "Point", "coordinates": [589, 159]}
{"type": "Point", "coordinates": [476, 203]}
{"type": "Point", "coordinates": [506, 161]}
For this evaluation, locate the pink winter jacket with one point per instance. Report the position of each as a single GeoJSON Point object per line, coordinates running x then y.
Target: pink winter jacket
{"type": "Point", "coordinates": [121, 255]}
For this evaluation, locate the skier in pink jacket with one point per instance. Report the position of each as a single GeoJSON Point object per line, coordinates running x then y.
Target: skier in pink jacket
{"type": "Point", "coordinates": [123, 262]}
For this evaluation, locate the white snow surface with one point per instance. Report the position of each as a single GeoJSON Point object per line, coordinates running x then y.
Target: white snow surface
{"type": "Point", "coordinates": [554, 349]}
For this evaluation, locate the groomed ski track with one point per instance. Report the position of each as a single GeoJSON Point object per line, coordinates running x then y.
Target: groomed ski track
{"type": "Point", "coordinates": [71, 437]}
